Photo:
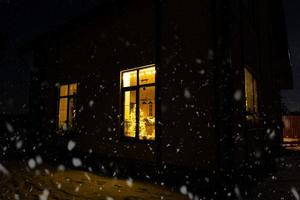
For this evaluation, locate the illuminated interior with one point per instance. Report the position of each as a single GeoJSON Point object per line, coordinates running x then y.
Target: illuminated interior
{"type": "Point", "coordinates": [147, 113]}
{"type": "Point", "coordinates": [129, 78]}
{"type": "Point", "coordinates": [130, 113]}
{"type": "Point", "coordinates": [67, 110]}
{"type": "Point", "coordinates": [147, 76]}
{"type": "Point", "coordinates": [138, 89]}
{"type": "Point", "coordinates": [250, 93]}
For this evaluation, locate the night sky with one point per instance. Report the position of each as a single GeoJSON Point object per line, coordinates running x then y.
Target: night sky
{"type": "Point", "coordinates": [24, 20]}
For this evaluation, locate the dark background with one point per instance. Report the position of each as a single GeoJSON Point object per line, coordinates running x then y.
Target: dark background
{"type": "Point", "coordinates": [292, 97]}
{"type": "Point", "coordinates": [23, 20]}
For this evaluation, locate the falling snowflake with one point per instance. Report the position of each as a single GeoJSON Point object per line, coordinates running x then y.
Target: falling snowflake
{"type": "Point", "coordinates": [237, 95]}
{"type": "Point", "coordinates": [19, 144]}
{"type": "Point", "coordinates": [31, 163]}
{"type": "Point", "coordinates": [198, 61]}
{"type": "Point", "coordinates": [17, 197]}
{"type": "Point", "coordinates": [272, 135]}
{"type": "Point", "coordinates": [183, 190]}
{"type": "Point", "coordinates": [295, 193]}
{"type": "Point", "coordinates": [71, 145]}
{"type": "Point", "coordinates": [129, 182]}
{"type": "Point", "coordinates": [9, 127]}
{"type": "Point", "coordinates": [44, 195]}
{"type": "Point", "coordinates": [4, 170]}
{"type": "Point", "coordinates": [187, 93]}
{"type": "Point", "coordinates": [91, 103]}
{"type": "Point", "coordinates": [76, 162]}
{"type": "Point", "coordinates": [237, 192]}
{"type": "Point", "coordinates": [61, 168]}
{"type": "Point", "coordinates": [39, 160]}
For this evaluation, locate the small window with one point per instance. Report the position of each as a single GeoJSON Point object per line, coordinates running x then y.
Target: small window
{"type": "Point", "coordinates": [250, 94]}
{"type": "Point", "coordinates": [138, 102]}
{"type": "Point", "coordinates": [67, 106]}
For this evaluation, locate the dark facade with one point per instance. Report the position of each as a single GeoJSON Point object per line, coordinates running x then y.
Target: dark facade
{"type": "Point", "coordinates": [203, 52]}
{"type": "Point", "coordinates": [291, 127]}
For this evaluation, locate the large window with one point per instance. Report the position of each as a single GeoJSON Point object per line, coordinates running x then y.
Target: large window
{"type": "Point", "coordinates": [66, 106]}
{"type": "Point", "coordinates": [138, 102]}
{"type": "Point", "coordinates": [250, 94]}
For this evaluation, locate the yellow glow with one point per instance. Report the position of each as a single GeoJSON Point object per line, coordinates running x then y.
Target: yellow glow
{"type": "Point", "coordinates": [72, 89]}
{"type": "Point", "coordinates": [147, 76]}
{"type": "Point", "coordinates": [63, 104]}
{"type": "Point", "coordinates": [67, 109]}
{"type": "Point", "coordinates": [143, 94]}
{"type": "Point", "coordinates": [130, 113]}
{"type": "Point", "coordinates": [250, 92]}
{"type": "Point", "coordinates": [147, 113]}
{"type": "Point", "coordinates": [129, 78]}
{"type": "Point", "coordinates": [64, 90]}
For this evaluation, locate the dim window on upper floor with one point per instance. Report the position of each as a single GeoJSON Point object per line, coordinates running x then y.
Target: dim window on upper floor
{"type": "Point", "coordinates": [138, 103]}
{"type": "Point", "coordinates": [251, 96]}
{"type": "Point", "coordinates": [67, 106]}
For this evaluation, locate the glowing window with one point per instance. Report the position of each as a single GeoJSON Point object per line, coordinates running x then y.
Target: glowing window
{"type": "Point", "coordinates": [66, 106]}
{"type": "Point", "coordinates": [250, 93]}
{"type": "Point", "coordinates": [138, 100]}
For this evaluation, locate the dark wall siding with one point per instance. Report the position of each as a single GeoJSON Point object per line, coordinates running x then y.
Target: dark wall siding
{"type": "Point", "coordinates": [94, 52]}
{"type": "Point", "coordinates": [187, 89]}
{"type": "Point", "coordinates": [204, 47]}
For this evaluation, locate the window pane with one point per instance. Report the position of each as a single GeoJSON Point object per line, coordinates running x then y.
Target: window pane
{"type": "Point", "coordinates": [147, 113]}
{"type": "Point", "coordinates": [62, 115]}
{"type": "Point", "coordinates": [147, 76]}
{"type": "Point", "coordinates": [130, 113]}
{"type": "Point", "coordinates": [248, 91]}
{"type": "Point", "coordinates": [129, 78]}
{"type": "Point", "coordinates": [255, 102]}
{"type": "Point", "coordinates": [73, 89]}
{"type": "Point", "coordinates": [64, 90]}
{"type": "Point", "coordinates": [72, 112]}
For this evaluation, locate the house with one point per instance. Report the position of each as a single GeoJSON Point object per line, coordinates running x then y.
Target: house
{"type": "Point", "coordinates": [291, 130]}
{"type": "Point", "coordinates": [191, 85]}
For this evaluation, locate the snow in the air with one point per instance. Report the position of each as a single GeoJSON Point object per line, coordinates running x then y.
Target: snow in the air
{"type": "Point", "coordinates": [187, 93]}
{"type": "Point", "coordinates": [44, 195]}
{"type": "Point", "coordinates": [295, 193]}
{"type": "Point", "coordinates": [71, 145]}
{"type": "Point", "coordinates": [183, 190]}
{"type": "Point", "coordinates": [31, 163]}
{"type": "Point", "coordinates": [9, 127]}
{"type": "Point", "coordinates": [237, 95]}
{"type": "Point", "coordinates": [129, 182]}
{"type": "Point", "coordinates": [91, 103]}
{"type": "Point", "coordinates": [76, 162]}
{"type": "Point", "coordinates": [3, 170]}
{"type": "Point", "coordinates": [38, 159]}
{"type": "Point", "coordinates": [19, 144]}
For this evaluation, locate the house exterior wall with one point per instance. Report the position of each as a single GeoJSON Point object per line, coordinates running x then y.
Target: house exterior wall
{"type": "Point", "coordinates": [187, 88]}
{"type": "Point", "coordinates": [121, 37]}
{"type": "Point", "coordinates": [200, 50]}
{"type": "Point", "coordinates": [291, 126]}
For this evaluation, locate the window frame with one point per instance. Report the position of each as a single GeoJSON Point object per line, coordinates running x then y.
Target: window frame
{"type": "Point", "coordinates": [136, 88]}
{"type": "Point", "coordinates": [68, 97]}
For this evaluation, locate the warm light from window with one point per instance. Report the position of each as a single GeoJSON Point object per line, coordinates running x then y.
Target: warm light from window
{"type": "Point", "coordinates": [130, 113]}
{"type": "Point", "coordinates": [250, 93]}
{"type": "Point", "coordinates": [67, 110]}
{"type": "Point", "coordinates": [147, 76]}
{"type": "Point", "coordinates": [147, 113]}
{"type": "Point", "coordinates": [139, 103]}
{"type": "Point", "coordinates": [129, 79]}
